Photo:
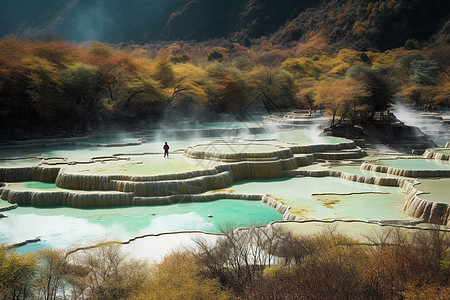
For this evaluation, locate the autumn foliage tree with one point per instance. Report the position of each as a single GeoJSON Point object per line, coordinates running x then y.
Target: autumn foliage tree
{"type": "Point", "coordinates": [16, 274]}
{"type": "Point", "coordinates": [63, 89]}
{"type": "Point", "coordinates": [252, 263]}
{"type": "Point", "coordinates": [343, 99]}
{"type": "Point", "coordinates": [179, 276]}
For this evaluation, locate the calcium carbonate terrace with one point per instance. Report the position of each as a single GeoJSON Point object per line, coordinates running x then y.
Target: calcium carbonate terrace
{"type": "Point", "coordinates": [218, 174]}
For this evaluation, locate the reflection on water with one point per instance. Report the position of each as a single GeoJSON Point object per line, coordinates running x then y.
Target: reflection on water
{"type": "Point", "coordinates": [58, 227]}
{"type": "Point", "coordinates": [61, 227]}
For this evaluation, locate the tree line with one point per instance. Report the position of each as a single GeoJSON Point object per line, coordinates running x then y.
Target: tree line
{"type": "Point", "coordinates": [254, 263]}
{"type": "Point", "coordinates": [61, 88]}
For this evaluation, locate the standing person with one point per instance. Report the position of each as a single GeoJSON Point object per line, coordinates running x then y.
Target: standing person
{"type": "Point", "coordinates": [166, 150]}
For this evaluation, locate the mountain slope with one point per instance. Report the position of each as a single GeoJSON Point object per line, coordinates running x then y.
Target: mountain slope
{"type": "Point", "coordinates": [377, 25]}
{"type": "Point", "coordinates": [359, 24]}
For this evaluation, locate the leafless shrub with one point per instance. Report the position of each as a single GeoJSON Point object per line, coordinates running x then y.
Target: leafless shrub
{"type": "Point", "coordinates": [111, 274]}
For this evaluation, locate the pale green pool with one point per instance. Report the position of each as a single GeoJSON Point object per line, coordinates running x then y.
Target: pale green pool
{"type": "Point", "coordinates": [438, 189]}
{"type": "Point", "coordinates": [442, 150]}
{"type": "Point", "coordinates": [144, 165]}
{"type": "Point", "coordinates": [233, 148]}
{"type": "Point", "coordinates": [371, 202]}
{"type": "Point", "coordinates": [357, 171]}
{"type": "Point", "coordinates": [416, 164]}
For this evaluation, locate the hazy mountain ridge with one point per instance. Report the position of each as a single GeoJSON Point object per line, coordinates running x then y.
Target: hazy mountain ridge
{"type": "Point", "coordinates": [382, 24]}
{"type": "Point", "coordinates": [368, 24]}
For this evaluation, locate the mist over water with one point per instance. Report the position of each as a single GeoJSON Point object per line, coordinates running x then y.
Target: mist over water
{"type": "Point", "coordinates": [429, 123]}
{"type": "Point", "coordinates": [129, 222]}
{"type": "Point", "coordinates": [87, 20]}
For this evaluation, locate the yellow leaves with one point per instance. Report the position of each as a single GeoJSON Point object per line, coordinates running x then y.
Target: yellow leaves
{"type": "Point", "coordinates": [178, 277]}
{"type": "Point", "coordinates": [317, 43]}
{"type": "Point", "coordinates": [442, 97]}
{"type": "Point", "coordinates": [144, 87]}
{"type": "Point", "coordinates": [347, 56]}
{"type": "Point", "coordinates": [340, 69]}
{"type": "Point", "coordinates": [43, 85]}
{"type": "Point", "coordinates": [164, 73]}
{"type": "Point", "coordinates": [326, 66]}
{"type": "Point", "coordinates": [275, 271]}
{"type": "Point", "coordinates": [341, 97]}
{"type": "Point", "coordinates": [302, 67]}
{"type": "Point", "coordinates": [16, 271]}
{"type": "Point", "coordinates": [36, 72]}
{"type": "Point", "coordinates": [38, 65]}
{"type": "Point", "coordinates": [427, 95]}
{"type": "Point", "coordinates": [391, 3]}
{"type": "Point", "coordinates": [143, 64]}
{"type": "Point", "coordinates": [271, 82]}
{"type": "Point", "coordinates": [360, 27]}
{"type": "Point", "coordinates": [100, 49]}
{"type": "Point", "coordinates": [393, 57]}
{"type": "Point", "coordinates": [59, 53]}
{"type": "Point", "coordinates": [193, 80]}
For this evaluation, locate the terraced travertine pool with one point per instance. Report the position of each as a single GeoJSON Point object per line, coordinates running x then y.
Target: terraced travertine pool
{"type": "Point", "coordinates": [437, 190]}
{"type": "Point", "coordinates": [309, 196]}
{"type": "Point", "coordinates": [356, 169]}
{"type": "Point", "coordinates": [416, 164]}
{"type": "Point", "coordinates": [331, 198]}
{"type": "Point", "coordinates": [144, 165]}
{"type": "Point", "coordinates": [63, 226]}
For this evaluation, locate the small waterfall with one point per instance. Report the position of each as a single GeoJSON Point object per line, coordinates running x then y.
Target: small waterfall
{"type": "Point", "coordinates": [416, 207]}
{"type": "Point", "coordinates": [429, 123]}
{"type": "Point", "coordinates": [35, 173]}
{"type": "Point", "coordinates": [195, 185]}
{"type": "Point", "coordinates": [435, 154]}
{"type": "Point", "coordinates": [404, 173]}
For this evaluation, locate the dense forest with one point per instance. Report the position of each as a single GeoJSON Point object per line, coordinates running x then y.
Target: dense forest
{"type": "Point", "coordinates": [394, 263]}
{"type": "Point", "coordinates": [351, 58]}
{"type": "Point", "coordinates": [61, 88]}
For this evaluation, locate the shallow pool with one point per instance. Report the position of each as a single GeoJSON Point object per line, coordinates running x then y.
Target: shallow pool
{"type": "Point", "coordinates": [351, 200]}
{"type": "Point", "coordinates": [357, 171]}
{"type": "Point", "coordinates": [416, 164]}
{"type": "Point", "coordinates": [306, 136]}
{"type": "Point", "coordinates": [437, 189]}
{"type": "Point", "coordinates": [60, 227]}
{"type": "Point", "coordinates": [144, 165]}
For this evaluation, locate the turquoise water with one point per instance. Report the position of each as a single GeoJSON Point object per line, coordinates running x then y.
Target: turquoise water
{"type": "Point", "coordinates": [70, 227]}
{"type": "Point", "coordinates": [39, 185]}
{"type": "Point", "coordinates": [81, 150]}
{"type": "Point", "coordinates": [416, 164]}
{"type": "Point", "coordinates": [60, 227]}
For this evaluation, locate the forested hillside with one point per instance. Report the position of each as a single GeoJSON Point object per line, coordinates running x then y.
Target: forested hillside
{"type": "Point", "coordinates": [349, 57]}
{"type": "Point", "coordinates": [60, 88]}
{"type": "Point", "coordinates": [376, 25]}
{"type": "Point", "coordinates": [365, 24]}
{"type": "Point", "coordinates": [147, 20]}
